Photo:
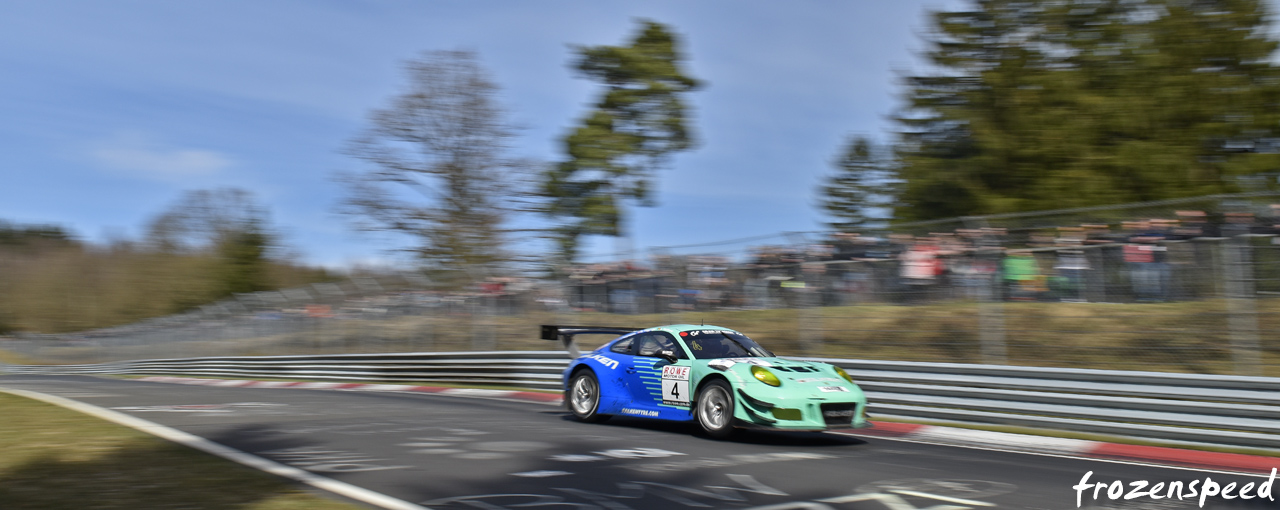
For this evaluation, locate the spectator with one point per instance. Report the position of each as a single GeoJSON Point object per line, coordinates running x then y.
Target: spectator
{"type": "Point", "coordinates": [1022, 276]}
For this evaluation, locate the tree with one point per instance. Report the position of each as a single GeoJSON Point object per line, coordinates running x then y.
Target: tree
{"type": "Point", "coordinates": [632, 131]}
{"type": "Point", "coordinates": [1045, 105]}
{"type": "Point", "coordinates": [437, 167]}
{"type": "Point", "coordinates": [861, 189]}
{"type": "Point", "coordinates": [203, 220]}
{"type": "Point", "coordinates": [227, 223]}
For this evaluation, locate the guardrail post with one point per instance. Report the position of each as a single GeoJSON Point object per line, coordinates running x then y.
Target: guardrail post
{"type": "Point", "coordinates": [1242, 312]}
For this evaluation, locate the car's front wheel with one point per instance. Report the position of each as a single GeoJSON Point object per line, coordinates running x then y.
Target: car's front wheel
{"type": "Point", "coordinates": [584, 397]}
{"type": "Point", "coordinates": [715, 409]}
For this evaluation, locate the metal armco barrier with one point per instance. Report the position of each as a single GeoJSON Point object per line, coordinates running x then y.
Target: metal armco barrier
{"type": "Point", "coordinates": [530, 369]}
{"type": "Point", "coordinates": [1225, 410]}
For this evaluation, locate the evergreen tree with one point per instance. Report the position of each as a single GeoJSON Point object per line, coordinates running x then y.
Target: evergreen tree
{"type": "Point", "coordinates": [631, 132]}
{"type": "Point", "coordinates": [1040, 105]}
{"type": "Point", "coordinates": [861, 186]}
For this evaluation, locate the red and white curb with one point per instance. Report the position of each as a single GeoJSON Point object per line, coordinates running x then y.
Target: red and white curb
{"type": "Point", "coordinates": [1063, 447]}
{"type": "Point", "coordinates": [952, 436]}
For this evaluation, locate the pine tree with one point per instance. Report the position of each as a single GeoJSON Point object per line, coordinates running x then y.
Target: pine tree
{"type": "Point", "coordinates": [1040, 105]}
{"type": "Point", "coordinates": [860, 190]}
{"type": "Point", "coordinates": [632, 131]}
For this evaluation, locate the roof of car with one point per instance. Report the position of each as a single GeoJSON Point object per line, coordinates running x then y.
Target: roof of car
{"type": "Point", "coordinates": [676, 328]}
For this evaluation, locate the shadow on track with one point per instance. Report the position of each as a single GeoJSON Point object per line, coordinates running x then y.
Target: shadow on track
{"type": "Point", "coordinates": [744, 436]}
{"type": "Point", "coordinates": [139, 474]}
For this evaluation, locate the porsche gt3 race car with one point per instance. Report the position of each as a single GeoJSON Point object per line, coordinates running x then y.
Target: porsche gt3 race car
{"type": "Point", "coordinates": [716, 376]}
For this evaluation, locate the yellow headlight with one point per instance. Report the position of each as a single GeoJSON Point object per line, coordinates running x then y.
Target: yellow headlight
{"type": "Point", "coordinates": [765, 376]}
{"type": "Point", "coordinates": [842, 373]}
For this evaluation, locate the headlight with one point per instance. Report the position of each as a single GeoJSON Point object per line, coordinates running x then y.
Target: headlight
{"type": "Point", "coordinates": [765, 376]}
{"type": "Point", "coordinates": [842, 373]}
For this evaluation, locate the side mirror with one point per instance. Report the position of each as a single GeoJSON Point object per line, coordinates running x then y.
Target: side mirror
{"type": "Point", "coordinates": [651, 351]}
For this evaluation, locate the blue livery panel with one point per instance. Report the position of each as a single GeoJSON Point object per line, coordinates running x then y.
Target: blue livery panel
{"type": "Point", "coordinates": [630, 385]}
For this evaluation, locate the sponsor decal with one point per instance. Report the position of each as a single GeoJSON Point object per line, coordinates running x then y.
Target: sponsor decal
{"type": "Point", "coordinates": [725, 363]}
{"type": "Point", "coordinates": [639, 412]}
{"type": "Point", "coordinates": [817, 379]}
{"type": "Point", "coordinates": [838, 414]}
{"type": "Point", "coordinates": [675, 372]}
{"type": "Point", "coordinates": [830, 389]}
{"type": "Point", "coordinates": [604, 360]}
{"type": "Point", "coordinates": [675, 385]}
{"type": "Point", "coordinates": [712, 332]}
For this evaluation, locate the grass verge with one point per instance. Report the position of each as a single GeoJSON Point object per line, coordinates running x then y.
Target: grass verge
{"type": "Point", "coordinates": [1186, 337]}
{"type": "Point", "coordinates": [56, 459]}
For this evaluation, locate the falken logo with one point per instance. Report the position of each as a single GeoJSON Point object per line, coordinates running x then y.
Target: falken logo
{"type": "Point", "coordinates": [612, 364]}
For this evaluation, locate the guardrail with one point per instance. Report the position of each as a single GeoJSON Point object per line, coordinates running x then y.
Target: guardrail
{"type": "Point", "coordinates": [531, 369]}
{"type": "Point", "coordinates": [1226, 410]}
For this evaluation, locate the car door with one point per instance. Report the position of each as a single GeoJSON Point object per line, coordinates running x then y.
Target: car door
{"type": "Point", "coordinates": [653, 380]}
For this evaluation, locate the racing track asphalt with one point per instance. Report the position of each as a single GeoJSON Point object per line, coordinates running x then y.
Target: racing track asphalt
{"type": "Point", "coordinates": [449, 452]}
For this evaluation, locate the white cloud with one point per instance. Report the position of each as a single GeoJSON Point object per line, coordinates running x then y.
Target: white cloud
{"type": "Point", "coordinates": [137, 155]}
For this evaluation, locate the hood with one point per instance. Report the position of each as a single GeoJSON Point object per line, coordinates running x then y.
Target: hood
{"type": "Point", "coordinates": [791, 371]}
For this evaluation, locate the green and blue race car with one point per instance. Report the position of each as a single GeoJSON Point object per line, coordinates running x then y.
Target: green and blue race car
{"type": "Point", "coordinates": [715, 376]}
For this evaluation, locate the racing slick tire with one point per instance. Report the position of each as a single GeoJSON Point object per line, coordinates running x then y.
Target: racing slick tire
{"type": "Point", "coordinates": [584, 397]}
{"type": "Point", "coordinates": [715, 409]}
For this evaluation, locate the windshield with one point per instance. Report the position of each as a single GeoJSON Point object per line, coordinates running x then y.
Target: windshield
{"type": "Point", "coordinates": [715, 344]}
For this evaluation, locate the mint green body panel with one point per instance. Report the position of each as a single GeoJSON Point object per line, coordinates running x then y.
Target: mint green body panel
{"type": "Point", "coordinates": [795, 404]}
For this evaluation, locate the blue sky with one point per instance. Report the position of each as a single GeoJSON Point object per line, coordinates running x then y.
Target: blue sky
{"type": "Point", "coordinates": [111, 109]}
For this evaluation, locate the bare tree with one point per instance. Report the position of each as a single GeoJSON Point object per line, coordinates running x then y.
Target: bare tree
{"type": "Point", "coordinates": [203, 220]}
{"type": "Point", "coordinates": [225, 222]}
{"type": "Point", "coordinates": [437, 167]}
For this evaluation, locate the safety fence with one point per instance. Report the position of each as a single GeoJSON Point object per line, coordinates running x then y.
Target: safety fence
{"type": "Point", "coordinates": [1236, 411]}
{"type": "Point", "coordinates": [1188, 285]}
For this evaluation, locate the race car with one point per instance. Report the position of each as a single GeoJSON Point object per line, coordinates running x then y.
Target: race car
{"type": "Point", "coordinates": [715, 376]}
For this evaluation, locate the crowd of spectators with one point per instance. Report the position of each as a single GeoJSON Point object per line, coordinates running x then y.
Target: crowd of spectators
{"type": "Point", "coordinates": [1139, 260]}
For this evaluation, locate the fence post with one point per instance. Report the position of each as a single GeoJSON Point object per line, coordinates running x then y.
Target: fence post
{"type": "Point", "coordinates": [991, 326]}
{"type": "Point", "coordinates": [810, 313]}
{"type": "Point", "coordinates": [1242, 312]}
{"type": "Point", "coordinates": [991, 315]}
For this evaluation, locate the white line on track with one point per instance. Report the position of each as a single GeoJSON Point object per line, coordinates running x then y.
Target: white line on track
{"type": "Point", "coordinates": [328, 484]}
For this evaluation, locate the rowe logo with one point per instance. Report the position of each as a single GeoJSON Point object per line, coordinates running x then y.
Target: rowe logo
{"type": "Point", "coordinates": [674, 372]}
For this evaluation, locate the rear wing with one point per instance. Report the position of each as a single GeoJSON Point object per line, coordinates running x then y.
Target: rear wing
{"type": "Point", "coordinates": [566, 333]}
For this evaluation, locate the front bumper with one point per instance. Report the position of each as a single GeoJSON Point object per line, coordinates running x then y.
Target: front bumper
{"type": "Point", "coordinates": [796, 414]}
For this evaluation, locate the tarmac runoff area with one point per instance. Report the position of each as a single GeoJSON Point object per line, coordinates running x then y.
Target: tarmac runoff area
{"type": "Point", "coordinates": [412, 447]}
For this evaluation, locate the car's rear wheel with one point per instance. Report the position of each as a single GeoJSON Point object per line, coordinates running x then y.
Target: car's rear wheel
{"type": "Point", "coordinates": [584, 397]}
{"type": "Point", "coordinates": [715, 409]}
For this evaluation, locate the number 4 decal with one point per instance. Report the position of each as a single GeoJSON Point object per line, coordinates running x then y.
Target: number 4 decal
{"type": "Point", "coordinates": [675, 385]}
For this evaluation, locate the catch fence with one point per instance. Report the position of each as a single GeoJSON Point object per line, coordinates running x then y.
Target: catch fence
{"type": "Point", "coordinates": [1197, 291]}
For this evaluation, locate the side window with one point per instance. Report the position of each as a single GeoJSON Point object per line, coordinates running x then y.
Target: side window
{"type": "Point", "coordinates": [647, 343]}
{"type": "Point", "coordinates": [655, 342]}
{"type": "Point", "coordinates": [624, 346]}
